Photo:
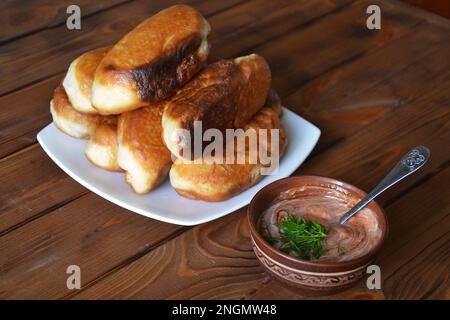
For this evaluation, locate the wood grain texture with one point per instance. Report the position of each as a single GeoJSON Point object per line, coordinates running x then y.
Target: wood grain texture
{"type": "Point", "coordinates": [23, 17]}
{"type": "Point", "coordinates": [368, 165]}
{"type": "Point", "coordinates": [26, 111]}
{"type": "Point", "coordinates": [50, 51]}
{"type": "Point", "coordinates": [216, 264]}
{"type": "Point", "coordinates": [35, 185]}
{"type": "Point", "coordinates": [304, 41]}
{"type": "Point", "coordinates": [348, 98]}
{"type": "Point", "coordinates": [318, 51]}
{"type": "Point", "coordinates": [211, 261]}
{"type": "Point", "coordinates": [414, 260]}
{"type": "Point", "coordinates": [373, 94]}
{"type": "Point", "coordinates": [441, 7]}
{"type": "Point", "coordinates": [243, 29]}
{"type": "Point", "coordinates": [91, 233]}
{"type": "Point", "coordinates": [367, 152]}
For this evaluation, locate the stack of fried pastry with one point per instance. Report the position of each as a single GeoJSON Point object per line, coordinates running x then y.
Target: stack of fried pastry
{"type": "Point", "coordinates": [128, 100]}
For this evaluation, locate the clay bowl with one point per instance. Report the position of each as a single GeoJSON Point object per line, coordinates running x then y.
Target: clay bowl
{"type": "Point", "coordinates": [309, 277]}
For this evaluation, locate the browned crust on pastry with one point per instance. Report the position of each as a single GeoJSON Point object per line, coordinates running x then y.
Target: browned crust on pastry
{"type": "Point", "coordinates": [86, 66]}
{"type": "Point", "coordinates": [224, 95]}
{"type": "Point", "coordinates": [217, 197]}
{"type": "Point", "coordinates": [190, 194]}
{"type": "Point", "coordinates": [64, 111]}
{"type": "Point", "coordinates": [223, 181]}
{"type": "Point", "coordinates": [159, 55]}
{"type": "Point", "coordinates": [105, 136]}
{"type": "Point", "coordinates": [158, 80]}
{"type": "Point", "coordinates": [139, 131]}
{"type": "Point", "coordinates": [210, 97]}
{"type": "Point", "coordinates": [161, 176]}
{"type": "Point", "coordinates": [257, 76]}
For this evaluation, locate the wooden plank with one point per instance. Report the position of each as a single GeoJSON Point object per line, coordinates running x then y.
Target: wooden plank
{"type": "Point", "coordinates": [317, 51]}
{"type": "Point", "coordinates": [26, 112]}
{"type": "Point", "coordinates": [54, 49]}
{"type": "Point", "coordinates": [90, 233]}
{"type": "Point", "coordinates": [211, 261]}
{"type": "Point", "coordinates": [31, 184]}
{"type": "Point", "coordinates": [217, 22]}
{"type": "Point", "coordinates": [218, 262]}
{"type": "Point", "coordinates": [222, 275]}
{"type": "Point", "coordinates": [345, 99]}
{"type": "Point", "coordinates": [414, 260]}
{"type": "Point", "coordinates": [50, 51]}
{"type": "Point", "coordinates": [441, 7]}
{"type": "Point", "coordinates": [20, 124]}
{"type": "Point", "coordinates": [20, 18]}
{"type": "Point", "coordinates": [12, 136]}
{"type": "Point", "coordinates": [425, 275]}
{"type": "Point", "coordinates": [221, 266]}
{"type": "Point", "coordinates": [423, 122]}
{"type": "Point", "coordinates": [243, 28]}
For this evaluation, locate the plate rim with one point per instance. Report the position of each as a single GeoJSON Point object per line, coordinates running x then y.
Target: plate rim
{"type": "Point", "coordinates": [159, 217]}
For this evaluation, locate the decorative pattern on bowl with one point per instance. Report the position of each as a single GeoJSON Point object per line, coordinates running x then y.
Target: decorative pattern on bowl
{"type": "Point", "coordinates": [308, 279]}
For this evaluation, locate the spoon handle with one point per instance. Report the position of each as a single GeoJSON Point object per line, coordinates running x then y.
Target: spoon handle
{"type": "Point", "coordinates": [410, 163]}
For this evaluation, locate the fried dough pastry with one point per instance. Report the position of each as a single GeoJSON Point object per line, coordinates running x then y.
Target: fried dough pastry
{"type": "Point", "coordinates": [224, 95]}
{"type": "Point", "coordinates": [257, 80]}
{"type": "Point", "coordinates": [102, 147]}
{"type": "Point", "coordinates": [79, 78]}
{"type": "Point", "coordinates": [142, 153]}
{"type": "Point", "coordinates": [70, 121]}
{"type": "Point", "coordinates": [211, 181]}
{"type": "Point", "coordinates": [152, 61]}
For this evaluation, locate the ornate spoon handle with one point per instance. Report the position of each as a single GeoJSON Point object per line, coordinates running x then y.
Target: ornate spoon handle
{"type": "Point", "coordinates": [410, 163]}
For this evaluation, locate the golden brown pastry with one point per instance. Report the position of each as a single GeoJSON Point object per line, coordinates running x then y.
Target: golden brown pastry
{"type": "Point", "coordinates": [79, 78]}
{"type": "Point", "coordinates": [225, 94]}
{"type": "Point", "coordinates": [152, 61]}
{"type": "Point", "coordinates": [257, 79]}
{"type": "Point", "coordinates": [142, 153]}
{"type": "Point", "coordinates": [102, 147]}
{"type": "Point", "coordinates": [70, 121]}
{"type": "Point", "coordinates": [212, 181]}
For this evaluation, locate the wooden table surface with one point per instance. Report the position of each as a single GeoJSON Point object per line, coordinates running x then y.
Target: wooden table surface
{"type": "Point", "coordinates": [374, 94]}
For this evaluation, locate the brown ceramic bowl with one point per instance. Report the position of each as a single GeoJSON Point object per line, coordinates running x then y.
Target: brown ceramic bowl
{"type": "Point", "coordinates": [316, 278]}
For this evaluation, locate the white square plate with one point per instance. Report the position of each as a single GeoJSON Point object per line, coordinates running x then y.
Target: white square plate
{"type": "Point", "coordinates": [164, 203]}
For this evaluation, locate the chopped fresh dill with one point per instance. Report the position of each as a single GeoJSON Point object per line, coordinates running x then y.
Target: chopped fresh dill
{"type": "Point", "coordinates": [302, 237]}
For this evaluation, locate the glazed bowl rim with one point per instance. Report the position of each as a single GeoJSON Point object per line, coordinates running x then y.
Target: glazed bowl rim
{"type": "Point", "coordinates": [311, 265]}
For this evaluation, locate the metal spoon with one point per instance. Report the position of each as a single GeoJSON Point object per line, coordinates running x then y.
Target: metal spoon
{"type": "Point", "coordinates": [410, 163]}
